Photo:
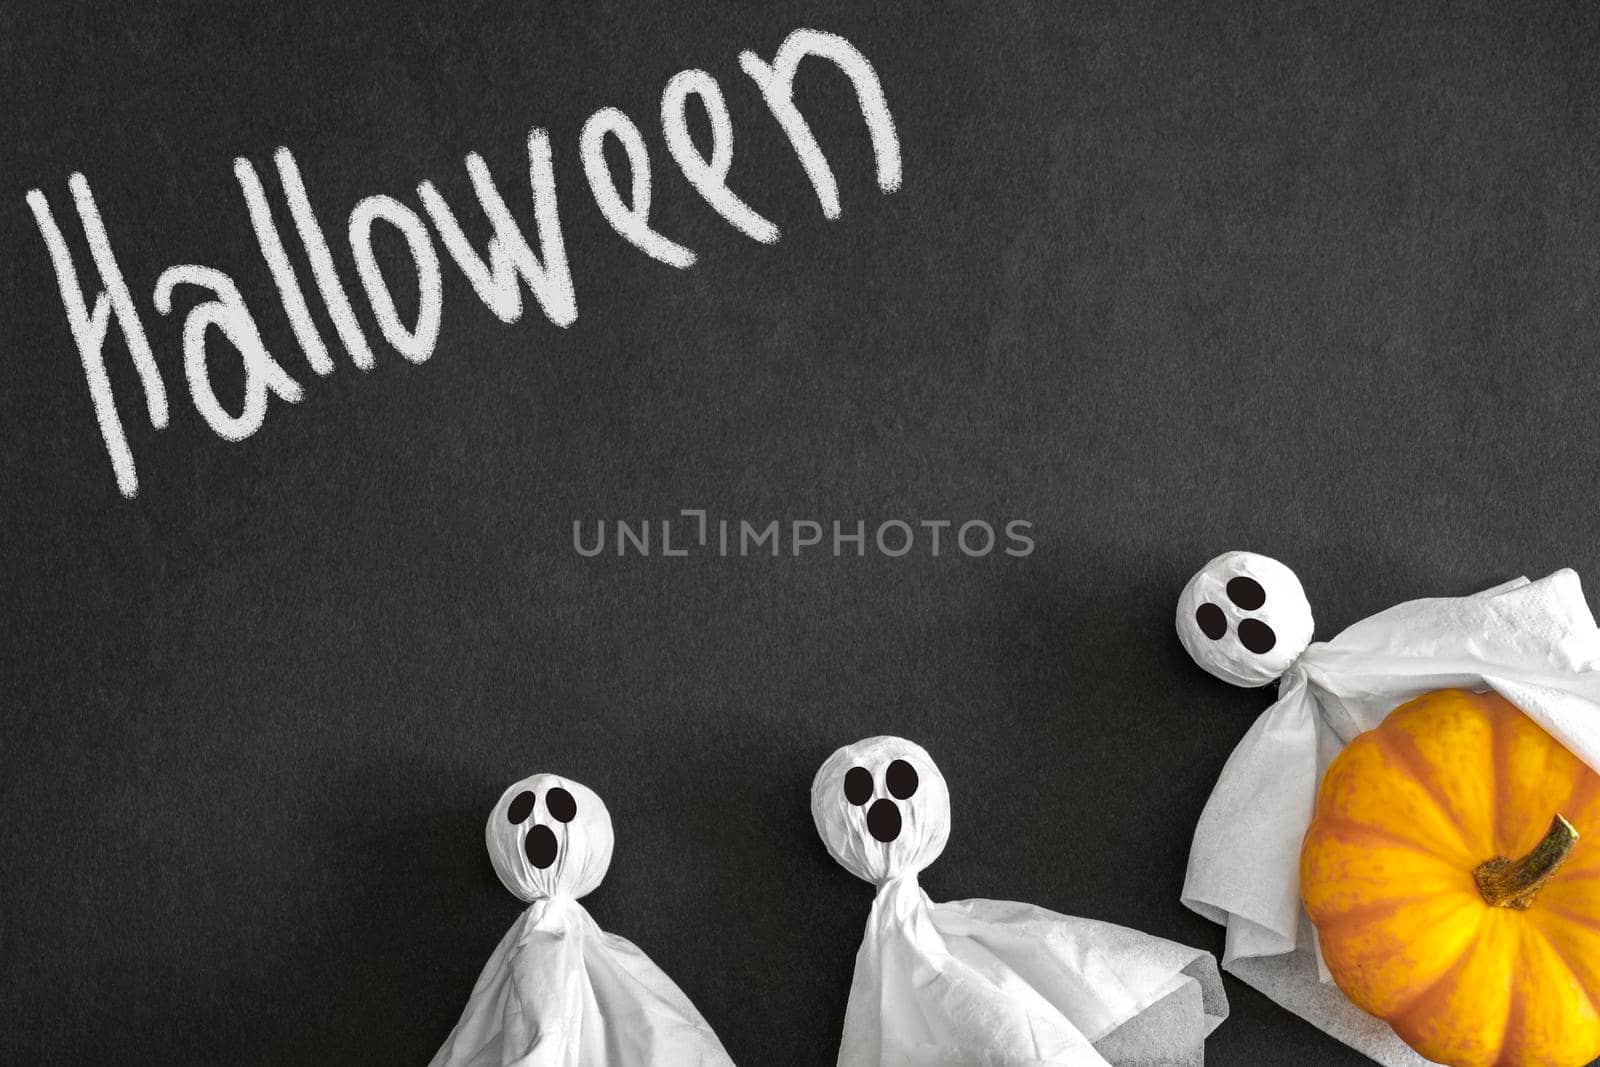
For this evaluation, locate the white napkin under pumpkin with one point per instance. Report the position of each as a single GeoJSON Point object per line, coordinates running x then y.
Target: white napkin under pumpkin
{"type": "Point", "coordinates": [1245, 619]}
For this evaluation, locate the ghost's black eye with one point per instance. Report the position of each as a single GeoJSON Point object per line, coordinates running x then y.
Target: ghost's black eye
{"type": "Point", "coordinates": [561, 805]}
{"type": "Point", "coordinates": [901, 778]}
{"type": "Point", "coordinates": [1246, 592]}
{"type": "Point", "coordinates": [1213, 623]}
{"type": "Point", "coordinates": [858, 786]}
{"type": "Point", "coordinates": [1257, 636]}
{"type": "Point", "coordinates": [520, 808]}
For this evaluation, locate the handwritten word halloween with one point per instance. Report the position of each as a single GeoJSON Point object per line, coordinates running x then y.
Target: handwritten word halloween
{"type": "Point", "coordinates": [506, 264]}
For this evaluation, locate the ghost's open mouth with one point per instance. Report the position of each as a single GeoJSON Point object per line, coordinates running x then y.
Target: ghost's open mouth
{"type": "Point", "coordinates": [883, 820]}
{"type": "Point", "coordinates": [541, 846]}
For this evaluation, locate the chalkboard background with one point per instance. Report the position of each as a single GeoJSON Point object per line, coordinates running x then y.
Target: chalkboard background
{"type": "Point", "coordinates": [1317, 280]}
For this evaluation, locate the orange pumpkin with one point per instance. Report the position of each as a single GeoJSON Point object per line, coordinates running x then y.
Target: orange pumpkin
{"type": "Point", "coordinates": [1453, 873]}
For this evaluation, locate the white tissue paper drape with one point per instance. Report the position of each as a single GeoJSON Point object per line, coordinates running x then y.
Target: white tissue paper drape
{"type": "Point", "coordinates": [559, 991]}
{"type": "Point", "coordinates": [1535, 643]}
{"type": "Point", "coordinates": [985, 983]}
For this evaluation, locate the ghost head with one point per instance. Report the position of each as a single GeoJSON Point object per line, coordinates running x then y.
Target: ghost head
{"type": "Point", "coordinates": [1244, 618]}
{"type": "Point", "coordinates": [882, 808]}
{"type": "Point", "coordinates": [549, 837]}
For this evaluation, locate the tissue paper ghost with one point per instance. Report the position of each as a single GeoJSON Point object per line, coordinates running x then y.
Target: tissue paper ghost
{"type": "Point", "coordinates": [558, 991]}
{"type": "Point", "coordinates": [1245, 619]}
{"type": "Point", "coordinates": [983, 981]}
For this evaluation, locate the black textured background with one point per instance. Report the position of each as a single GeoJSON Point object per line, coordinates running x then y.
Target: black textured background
{"type": "Point", "coordinates": [1317, 280]}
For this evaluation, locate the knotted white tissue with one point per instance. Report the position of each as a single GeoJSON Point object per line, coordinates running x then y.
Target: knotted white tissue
{"type": "Point", "coordinates": [986, 982]}
{"type": "Point", "coordinates": [559, 991]}
{"type": "Point", "coordinates": [1245, 619]}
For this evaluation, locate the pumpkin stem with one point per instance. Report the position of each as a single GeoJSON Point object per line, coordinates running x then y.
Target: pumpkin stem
{"type": "Point", "coordinates": [1514, 883]}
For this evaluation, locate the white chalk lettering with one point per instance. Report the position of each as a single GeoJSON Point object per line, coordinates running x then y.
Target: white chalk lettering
{"type": "Point", "coordinates": [283, 275]}
{"type": "Point", "coordinates": [322, 268]}
{"type": "Point", "coordinates": [416, 342]}
{"type": "Point", "coordinates": [509, 257]}
{"type": "Point", "coordinates": [776, 82]}
{"type": "Point", "coordinates": [500, 263]}
{"type": "Point", "coordinates": [227, 312]}
{"type": "Point", "coordinates": [89, 327]}
{"type": "Point", "coordinates": [631, 220]}
{"type": "Point", "coordinates": [708, 176]}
